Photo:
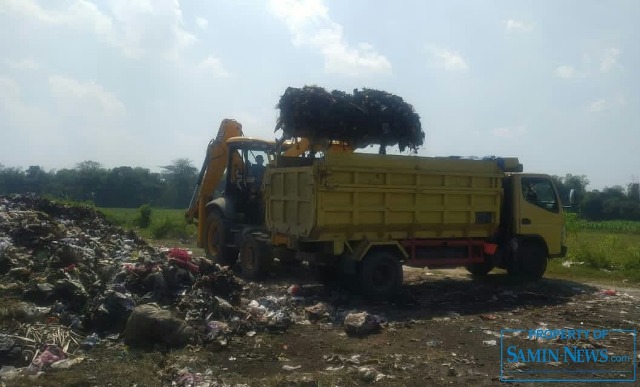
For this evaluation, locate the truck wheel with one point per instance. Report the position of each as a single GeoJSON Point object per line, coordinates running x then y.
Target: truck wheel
{"type": "Point", "coordinates": [480, 269]}
{"type": "Point", "coordinates": [380, 275]}
{"type": "Point", "coordinates": [216, 240]}
{"type": "Point", "coordinates": [532, 260]}
{"type": "Point", "coordinates": [255, 258]}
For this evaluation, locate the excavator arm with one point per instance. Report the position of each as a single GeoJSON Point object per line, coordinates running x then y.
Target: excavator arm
{"type": "Point", "coordinates": [213, 169]}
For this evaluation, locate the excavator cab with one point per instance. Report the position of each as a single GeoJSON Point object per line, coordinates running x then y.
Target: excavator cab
{"type": "Point", "coordinates": [243, 188]}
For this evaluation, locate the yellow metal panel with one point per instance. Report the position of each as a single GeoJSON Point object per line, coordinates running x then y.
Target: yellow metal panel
{"type": "Point", "coordinates": [384, 197]}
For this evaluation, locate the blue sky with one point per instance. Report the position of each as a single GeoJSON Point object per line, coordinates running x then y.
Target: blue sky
{"type": "Point", "coordinates": [143, 82]}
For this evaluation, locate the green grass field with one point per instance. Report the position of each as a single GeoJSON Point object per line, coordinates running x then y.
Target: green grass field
{"type": "Point", "coordinates": [607, 251]}
{"type": "Point", "coordinates": [167, 226]}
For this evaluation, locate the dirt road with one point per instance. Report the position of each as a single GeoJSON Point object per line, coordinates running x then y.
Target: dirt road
{"type": "Point", "coordinates": [445, 330]}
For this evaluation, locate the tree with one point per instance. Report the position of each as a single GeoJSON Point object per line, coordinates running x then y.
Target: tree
{"type": "Point", "coordinates": [90, 179]}
{"type": "Point", "coordinates": [633, 192]}
{"type": "Point", "coordinates": [181, 177]}
{"type": "Point", "coordinates": [130, 188]}
{"type": "Point", "coordinates": [565, 184]}
{"type": "Point", "coordinates": [592, 205]}
{"type": "Point", "coordinates": [12, 180]}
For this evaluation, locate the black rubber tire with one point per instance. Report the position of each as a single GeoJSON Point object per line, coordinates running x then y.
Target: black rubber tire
{"type": "Point", "coordinates": [216, 239]}
{"type": "Point", "coordinates": [255, 258]}
{"type": "Point", "coordinates": [480, 269]}
{"type": "Point", "coordinates": [532, 260]}
{"type": "Point", "coordinates": [380, 275]}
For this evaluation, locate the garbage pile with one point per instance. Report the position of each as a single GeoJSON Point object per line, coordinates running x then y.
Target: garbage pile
{"type": "Point", "coordinates": [71, 280]}
{"type": "Point", "coordinates": [364, 118]}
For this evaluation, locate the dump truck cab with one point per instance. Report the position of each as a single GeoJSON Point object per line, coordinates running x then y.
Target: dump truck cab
{"type": "Point", "coordinates": [532, 227]}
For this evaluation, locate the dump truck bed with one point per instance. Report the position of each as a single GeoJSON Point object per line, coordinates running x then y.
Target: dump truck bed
{"type": "Point", "coordinates": [351, 197]}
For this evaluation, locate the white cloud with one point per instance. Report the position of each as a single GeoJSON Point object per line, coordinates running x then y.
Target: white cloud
{"type": "Point", "coordinates": [80, 13]}
{"type": "Point", "coordinates": [214, 66]}
{"type": "Point", "coordinates": [136, 27]}
{"type": "Point", "coordinates": [620, 99]}
{"type": "Point", "coordinates": [605, 104]}
{"type": "Point", "coordinates": [311, 26]}
{"type": "Point", "coordinates": [78, 95]}
{"type": "Point", "coordinates": [566, 72]}
{"type": "Point", "coordinates": [447, 59]}
{"type": "Point", "coordinates": [509, 132]}
{"type": "Point", "coordinates": [511, 25]}
{"type": "Point", "coordinates": [27, 123]}
{"type": "Point", "coordinates": [151, 27]}
{"type": "Point", "coordinates": [609, 59]}
{"type": "Point", "coordinates": [597, 106]}
{"type": "Point", "coordinates": [202, 23]}
{"type": "Point", "coordinates": [24, 64]}
{"type": "Point", "coordinates": [603, 61]}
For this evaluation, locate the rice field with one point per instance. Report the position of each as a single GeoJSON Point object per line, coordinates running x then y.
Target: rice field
{"type": "Point", "coordinates": [607, 250]}
{"type": "Point", "coordinates": [574, 223]}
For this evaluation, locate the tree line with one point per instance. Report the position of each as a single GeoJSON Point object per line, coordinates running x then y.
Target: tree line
{"type": "Point", "coordinates": [611, 203]}
{"type": "Point", "coordinates": [120, 187]}
{"type": "Point", "coordinates": [132, 187]}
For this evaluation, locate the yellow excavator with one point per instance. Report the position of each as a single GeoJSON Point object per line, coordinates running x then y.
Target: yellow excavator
{"type": "Point", "coordinates": [238, 160]}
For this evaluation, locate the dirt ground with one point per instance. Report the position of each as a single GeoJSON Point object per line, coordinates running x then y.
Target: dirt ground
{"type": "Point", "coordinates": [444, 330]}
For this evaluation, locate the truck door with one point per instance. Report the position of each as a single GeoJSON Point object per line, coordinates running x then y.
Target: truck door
{"type": "Point", "coordinates": [540, 213]}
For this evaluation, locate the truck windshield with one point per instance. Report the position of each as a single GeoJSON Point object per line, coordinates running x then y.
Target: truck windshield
{"type": "Point", "coordinates": [539, 192]}
{"type": "Point", "coordinates": [256, 163]}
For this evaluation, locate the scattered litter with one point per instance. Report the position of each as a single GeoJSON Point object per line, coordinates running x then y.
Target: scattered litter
{"type": "Point", "coordinates": [67, 363]}
{"type": "Point", "coordinates": [362, 323]}
{"type": "Point", "coordinates": [490, 342]}
{"type": "Point", "coordinates": [295, 290]}
{"type": "Point", "coordinates": [608, 292]}
{"type": "Point", "coordinates": [288, 367]}
{"type": "Point", "coordinates": [370, 375]}
{"type": "Point", "coordinates": [150, 324]}
{"type": "Point", "coordinates": [45, 359]}
{"type": "Point", "coordinates": [490, 317]}
{"type": "Point", "coordinates": [319, 311]}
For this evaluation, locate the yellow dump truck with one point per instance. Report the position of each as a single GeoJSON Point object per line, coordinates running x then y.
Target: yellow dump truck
{"type": "Point", "coordinates": [379, 211]}
{"type": "Point", "coordinates": [368, 214]}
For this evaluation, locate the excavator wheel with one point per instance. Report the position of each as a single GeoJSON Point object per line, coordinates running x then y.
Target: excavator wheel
{"type": "Point", "coordinates": [216, 241]}
{"type": "Point", "coordinates": [255, 258]}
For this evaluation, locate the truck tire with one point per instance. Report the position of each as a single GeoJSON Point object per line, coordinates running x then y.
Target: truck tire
{"type": "Point", "coordinates": [480, 269]}
{"type": "Point", "coordinates": [380, 274]}
{"type": "Point", "coordinates": [215, 245]}
{"type": "Point", "coordinates": [255, 258]}
{"type": "Point", "coordinates": [532, 260]}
